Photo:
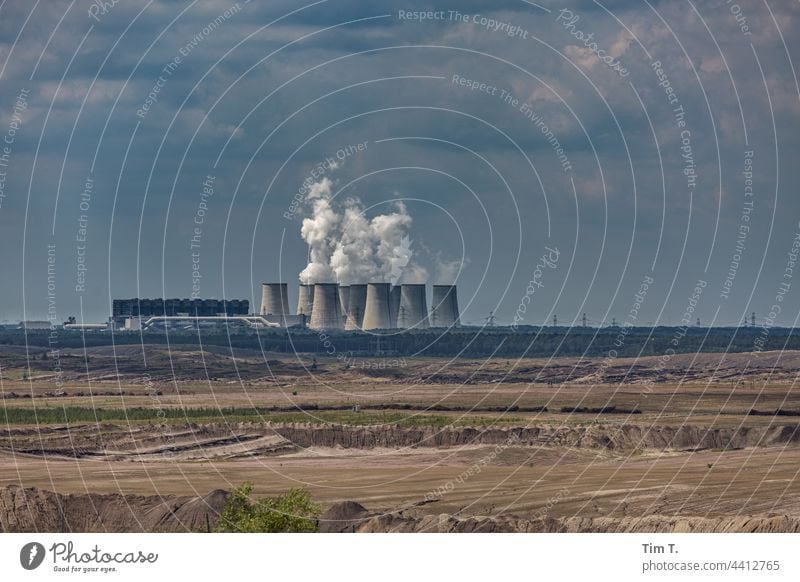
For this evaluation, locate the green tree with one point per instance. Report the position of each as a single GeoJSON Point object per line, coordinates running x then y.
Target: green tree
{"type": "Point", "coordinates": [293, 512]}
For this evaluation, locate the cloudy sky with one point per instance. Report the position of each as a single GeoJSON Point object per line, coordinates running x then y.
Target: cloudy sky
{"type": "Point", "coordinates": [645, 149]}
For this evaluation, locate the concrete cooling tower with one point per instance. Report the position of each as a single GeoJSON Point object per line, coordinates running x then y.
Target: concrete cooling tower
{"type": "Point", "coordinates": [327, 311]}
{"type": "Point", "coordinates": [275, 299]}
{"type": "Point", "coordinates": [356, 305]}
{"type": "Point", "coordinates": [377, 313]}
{"type": "Point", "coordinates": [344, 299]}
{"type": "Point", "coordinates": [394, 305]}
{"type": "Point", "coordinates": [413, 311]}
{"type": "Point", "coordinates": [305, 300]}
{"type": "Point", "coordinates": [444, 309]}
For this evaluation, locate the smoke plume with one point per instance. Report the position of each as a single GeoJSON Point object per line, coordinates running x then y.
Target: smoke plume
{"type": "Point", "coordinates": [447, 271]}
{"type": "Point", "coordinates": [347, 247]}
{"type": "Point", "coordinates": [318, 231]}
{"type": "Point", "coordinates": [354, 259]}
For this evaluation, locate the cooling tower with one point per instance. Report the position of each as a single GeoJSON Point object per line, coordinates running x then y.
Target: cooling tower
{"type": "Point", "coordinates": [327, 310]}
{"type": "Point", "coordinates": [356, 304]}
{"type": "Point", "coordinates": [274, 299]}
{"type": "Point", "coordinates": [344, 298]}
{"type": "Point", "coordinates": [394, 305]}
{"type": "Point", "coordinates": [305, 300]}
{"type": "Point", "coordinates": [376, 314]}
{"type": "Point", "coordinates": [413, 311]}
{"type": "Point", "coordinates": [444, 310]}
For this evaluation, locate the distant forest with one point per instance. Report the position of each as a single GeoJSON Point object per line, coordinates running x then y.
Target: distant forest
{"type": "Point", "coordinates": [463, 342]}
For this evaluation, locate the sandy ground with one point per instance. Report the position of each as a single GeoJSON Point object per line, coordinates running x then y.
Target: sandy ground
{"type": "Point", "coordinates": [466, 479]}
{"type": "Point", "coordinates": [705, 484]}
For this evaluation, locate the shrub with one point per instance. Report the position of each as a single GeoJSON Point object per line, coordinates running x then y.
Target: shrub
{"type": "Point", "coordinates": [293, 512]}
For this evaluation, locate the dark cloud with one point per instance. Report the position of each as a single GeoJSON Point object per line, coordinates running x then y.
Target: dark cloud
{"type": "Point", "coordinates": [259, 106]}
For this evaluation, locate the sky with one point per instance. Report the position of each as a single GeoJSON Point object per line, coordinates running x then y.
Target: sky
{"type": "Point", "coordinates": [630, 160]}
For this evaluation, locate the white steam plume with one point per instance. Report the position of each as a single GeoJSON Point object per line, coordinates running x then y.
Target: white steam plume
{"type": "Point", "coordinates": [354, 260]}
{"type": "Point", "coordinates": [447, 271]}
{"type": "Point", "coordinates": [350, 248]}
{"type": "Point", "coordinates": [318, 231]}
{"type": "Point", "coordinates": [390, 232]}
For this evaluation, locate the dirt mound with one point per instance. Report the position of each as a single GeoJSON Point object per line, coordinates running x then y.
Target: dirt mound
{"type": "Point", "coordinates": [37, 510]}
{"type": "Point", "coordinates": [343, 517]}
{"type": "Point", "coordinates": [613, 437]}
{"type": "Point", "coordinates": [444, 523]}
{"type": "Point", "coordinates": [260, 440]}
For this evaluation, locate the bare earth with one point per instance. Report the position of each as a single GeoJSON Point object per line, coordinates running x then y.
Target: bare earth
{"type": "Point", "coordinates": [513, 442]}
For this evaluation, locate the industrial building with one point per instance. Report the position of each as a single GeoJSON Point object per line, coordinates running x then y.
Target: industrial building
{"type": "Point", "coordinates": [361, 306]}
{"type": "Point", "coordinates": [122, 308]}
{"type": "Point", "coordinates": [321, 306]}
{"type": "Point", "coordinates": [35, 325]}
{"type": "Point", "coordinates": [132, 313]}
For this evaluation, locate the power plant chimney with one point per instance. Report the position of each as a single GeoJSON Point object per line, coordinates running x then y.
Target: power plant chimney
{"type": "Point", "coordinates": [394, 305]}
{"type": "Point", "coordinates": [327, 311]}
{"type": "Point", "coordinates": [356, 305]}
{"type": "Point", "coordinates": [377, 313]}
{"type": "Point", "coordinates": [275, 299]}
{"type": "Point", "coordinates": [444, 311]}
{"type": "Point", "coordinates": [305, 300]}
{"type": "Point", "coordinates": [413, 310]}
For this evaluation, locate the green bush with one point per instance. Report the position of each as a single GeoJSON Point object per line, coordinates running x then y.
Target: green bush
{"type": "Point", "coordinates": [293, 512]}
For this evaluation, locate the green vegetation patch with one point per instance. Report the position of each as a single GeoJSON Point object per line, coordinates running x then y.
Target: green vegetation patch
{"type": "Point", "coordinates": [80, 415]}
{"type": "Point", "coordinates": [293, 512]}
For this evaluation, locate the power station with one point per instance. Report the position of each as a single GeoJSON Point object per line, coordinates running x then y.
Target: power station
{"type": "Point", "coordinates": [321, 306]}
{"type": "Point", "coordinates": [361, 306]}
